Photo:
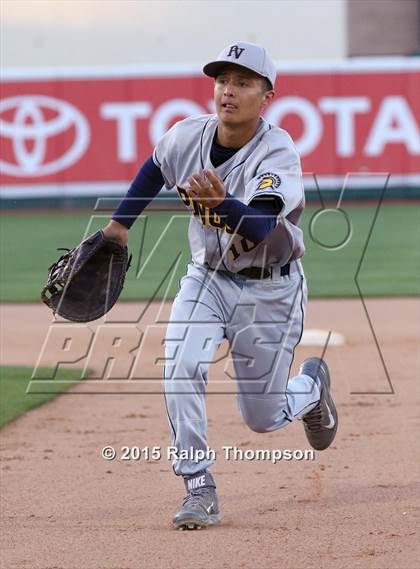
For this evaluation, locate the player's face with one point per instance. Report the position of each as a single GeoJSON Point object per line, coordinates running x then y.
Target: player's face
{"type": "Point", "coordinates": [239, 95]}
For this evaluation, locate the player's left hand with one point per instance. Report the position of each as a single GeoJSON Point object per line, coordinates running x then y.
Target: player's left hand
{"type": "Point", "coordinates": [207, 189]}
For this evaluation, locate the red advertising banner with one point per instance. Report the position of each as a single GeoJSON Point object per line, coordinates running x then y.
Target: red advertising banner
{"type": "Point", "coordinates": [86, 132]}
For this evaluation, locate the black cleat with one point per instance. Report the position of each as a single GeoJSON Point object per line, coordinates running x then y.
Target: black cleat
{"type": "Point", "coordinates": [321, 423]}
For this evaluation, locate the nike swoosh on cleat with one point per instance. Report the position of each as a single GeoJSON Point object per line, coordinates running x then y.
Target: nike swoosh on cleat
{"type": "Point", "coordinates": [331, 418]}
{"type": "Point", "coordinates": [208, 510]}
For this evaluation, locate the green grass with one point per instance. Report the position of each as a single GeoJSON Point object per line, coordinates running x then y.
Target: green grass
{"type": "Point", "coordinates": [390, 266]}
{"type": "Point", "coordinates": [14, 381]}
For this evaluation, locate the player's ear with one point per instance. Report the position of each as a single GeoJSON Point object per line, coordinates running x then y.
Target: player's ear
{"type": "Point", "coordinates": [268, 97]}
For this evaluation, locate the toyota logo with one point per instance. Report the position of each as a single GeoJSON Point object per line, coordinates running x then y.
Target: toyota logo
{"type": "Point", "coordinates": [33, 123]}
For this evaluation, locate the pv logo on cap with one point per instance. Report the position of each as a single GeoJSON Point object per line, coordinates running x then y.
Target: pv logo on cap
{"type": "Point", "coordinates": [236, 51]}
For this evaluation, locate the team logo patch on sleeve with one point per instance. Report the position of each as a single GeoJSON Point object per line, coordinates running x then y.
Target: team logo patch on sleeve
{"type": "Point", "coordinates": [268, 181]}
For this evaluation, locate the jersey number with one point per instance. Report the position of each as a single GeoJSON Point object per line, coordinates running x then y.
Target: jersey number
{"type": "Point", "coordinates": [243, 244]}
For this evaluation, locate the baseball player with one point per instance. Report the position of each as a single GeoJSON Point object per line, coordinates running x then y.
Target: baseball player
{"type": "Point", "coordinates": [241, 179]}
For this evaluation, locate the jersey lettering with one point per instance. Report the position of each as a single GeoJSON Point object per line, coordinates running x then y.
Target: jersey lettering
{"type": "Point", "coordinates": [207, 216]}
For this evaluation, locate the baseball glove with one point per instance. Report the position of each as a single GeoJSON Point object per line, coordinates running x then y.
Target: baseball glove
{"type": "Point", "coordinates": [85, 283]}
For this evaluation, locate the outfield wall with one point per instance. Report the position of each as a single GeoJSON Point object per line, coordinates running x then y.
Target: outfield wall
{"type": "Point", "coordinates": [73, 135]}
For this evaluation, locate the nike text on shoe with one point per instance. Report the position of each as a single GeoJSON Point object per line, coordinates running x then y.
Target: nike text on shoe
{"type": "Point", "coordinates": [200, 506]}
{"type": "Point", "coordinates": [322, 421]}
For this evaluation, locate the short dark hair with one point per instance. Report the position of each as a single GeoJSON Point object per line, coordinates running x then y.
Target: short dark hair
{"type": "Point", "coordinates": [266, 85]}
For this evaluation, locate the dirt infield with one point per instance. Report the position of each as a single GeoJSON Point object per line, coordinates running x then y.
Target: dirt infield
{"type": "Point", "coordinates": [355, 505]}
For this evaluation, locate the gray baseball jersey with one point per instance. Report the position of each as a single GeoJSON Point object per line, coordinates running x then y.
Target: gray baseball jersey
{"type": "Point", "coordinates": [267, 165]}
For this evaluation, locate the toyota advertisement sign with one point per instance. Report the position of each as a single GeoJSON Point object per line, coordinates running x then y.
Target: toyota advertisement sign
{"type": "Point", "coordinates": [85, 132]}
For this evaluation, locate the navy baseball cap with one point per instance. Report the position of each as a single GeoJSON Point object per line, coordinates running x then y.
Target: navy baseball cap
{"type": "Point", "coordinates": [245, 54]}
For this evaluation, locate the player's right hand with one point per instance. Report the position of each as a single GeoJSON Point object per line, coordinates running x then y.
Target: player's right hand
{"type": "Point", "coordinates": [116, 232]}
{"type": "Point", "coordinates": [208, 189]}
